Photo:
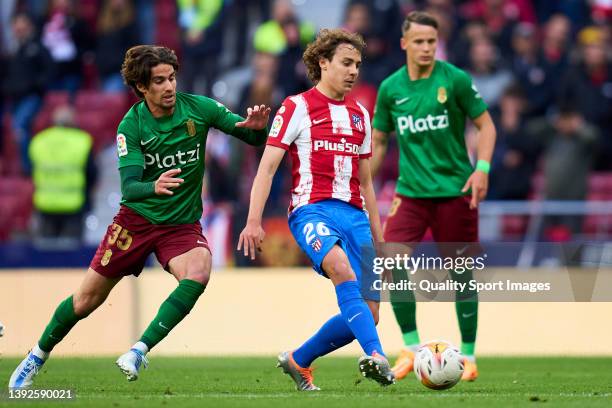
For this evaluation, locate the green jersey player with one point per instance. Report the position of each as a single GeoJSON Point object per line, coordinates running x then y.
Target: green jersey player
{"type": "Point", "coordinates": [426, 103]}
{"type": "Point", "coordinates": [160, 143]}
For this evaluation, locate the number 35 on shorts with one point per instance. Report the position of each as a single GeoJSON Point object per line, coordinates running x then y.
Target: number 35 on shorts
{"type": "Point", "coordinates": [121, 237]}
{"type": "Point", "coordinates": [309, 229]}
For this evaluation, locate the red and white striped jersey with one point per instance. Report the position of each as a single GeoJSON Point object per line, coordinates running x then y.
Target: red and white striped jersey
{"type": "Point", "coordinates": [326, 138]}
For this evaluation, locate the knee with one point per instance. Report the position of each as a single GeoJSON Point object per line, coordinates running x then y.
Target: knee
{"type": "Point", "coordinates": [202, 277]}
{"type": "Point", "coordinates": [199, 271]}
{"type": "Point", "coordinates": [85, 303]}
{"type": "Point", "coordinates": [339, 270]}
{"type": "Point", "coordinates": [342, 269]}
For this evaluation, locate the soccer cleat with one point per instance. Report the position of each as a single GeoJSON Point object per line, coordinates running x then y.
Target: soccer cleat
{"type": "Point", "coordinates": [301, 376]}
{"type": "Point", "coordinates": [376, 367]}
{"type": "Point", "coordinates": [403, 365]}
{"type": "Point", "coordinates": [130, 363]}
{"type": "Point", "coordinates": [470, 370]}
{"type": "Point", "coordinates": [24, 374]}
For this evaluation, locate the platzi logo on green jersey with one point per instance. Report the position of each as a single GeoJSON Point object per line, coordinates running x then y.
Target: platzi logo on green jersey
{"type": "Point", "coordinates": [430, 122]}
{"type": "Point", "coordinates": [172, 160]}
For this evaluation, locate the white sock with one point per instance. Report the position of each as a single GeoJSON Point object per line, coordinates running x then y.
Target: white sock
{"type": "Point", "coordinates": [471, 358]}
{"type": "Point", "coordinates": [38, 352]}
{"type": "Point", "coordinates": [140, 346]}
{"type": "Point", "coordinates": [412, 347]}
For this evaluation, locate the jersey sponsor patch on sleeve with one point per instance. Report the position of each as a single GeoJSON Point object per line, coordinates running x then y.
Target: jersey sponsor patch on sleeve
{"type": "Point", "coordinates": [122, 145]}
{"type": "Point", "coordinates": [277, 125]}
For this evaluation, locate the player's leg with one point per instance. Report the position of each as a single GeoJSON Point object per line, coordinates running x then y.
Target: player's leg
{"type": "Point", "coordinates": [93, 291]}
{"type": "Point", "coordinates": [121, 252]}
{"type": "Point", "coordinates": [183, 251]}
{"type": "Point", "coordinates": [456, 229]}
{"type": "Point", "coordinates": [317, 233]}
{"type": "Point", "coordinates": [357, 315]}
{"type": "Point", "coordinates": [356, 320]}
{"type": "Point", "coordinates": [334, 334]}
{"type": "Point", "coordinates": [356, 239]}
{"type": "Point", "coordinates": [407, 223]}
{"type": "Point", "coordinates": [192, 271]}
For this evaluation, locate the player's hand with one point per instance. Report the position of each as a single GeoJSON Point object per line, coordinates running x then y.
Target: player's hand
{"type": "Point", "coordinates": [257, 118]}
{"type": "Point", "coordinates": [479, 183]}
{"type": "Point", "coordinates": [167, 181]}
{"type": "Point", "coordinates": [251, 238]}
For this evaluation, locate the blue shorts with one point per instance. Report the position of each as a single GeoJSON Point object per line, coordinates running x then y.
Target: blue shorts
{"type": "Point", "coordinates": [319, 226]}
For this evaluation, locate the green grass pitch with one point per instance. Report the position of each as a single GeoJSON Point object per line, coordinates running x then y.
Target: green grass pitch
{"type": "Point", "coordinates": [254, 382]}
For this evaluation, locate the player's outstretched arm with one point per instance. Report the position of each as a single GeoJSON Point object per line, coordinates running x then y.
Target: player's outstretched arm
{"type": "Point", "coordinates": [253, 234]}
{"type": "Point", "coordinates": [479, 180]}
{"type": "Point", "coordinates": [380, 141]}
{"type": "Point", "coordinates": [252, 130]}
{"type": "Point", "coordinates": [257, 118]}
{"type": "Point", "coordinates": [367, 190]}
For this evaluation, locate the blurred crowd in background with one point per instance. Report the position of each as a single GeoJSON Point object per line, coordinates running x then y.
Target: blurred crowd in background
{"type": "Point", "coordinates": [543, 67]}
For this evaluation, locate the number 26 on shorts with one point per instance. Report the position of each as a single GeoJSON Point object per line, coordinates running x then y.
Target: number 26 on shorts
{"type": "Point", "coordinates": [309, 230]}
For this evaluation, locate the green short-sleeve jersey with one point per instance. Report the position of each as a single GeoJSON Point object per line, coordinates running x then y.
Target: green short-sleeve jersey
{"type": "Point", "coordinates": [171, 142]}
{"type": "Point", "coordinates": [428, 117]}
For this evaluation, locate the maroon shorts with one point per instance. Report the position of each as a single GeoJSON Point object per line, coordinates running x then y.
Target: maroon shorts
{"type": "Point", "coordinates": [451, 221]}
{"type": "Point", "coordinates": [131, 238]}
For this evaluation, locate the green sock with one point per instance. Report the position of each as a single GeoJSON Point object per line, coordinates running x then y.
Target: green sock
{"type": "Point", "coordinates": [467, 349]}
{"type": "Point", "coordinates": [404, 308]}
{"type": "Point", "coordinates": [466, 307]}
{"type": "Point", "coordinates": [61, 323]}
{"type": "Point", "coordinates": [172, 311]}
{"type": "Point", "coordinates": [411, 339]}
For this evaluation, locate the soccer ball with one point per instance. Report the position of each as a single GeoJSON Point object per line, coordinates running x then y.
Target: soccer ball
{"type": "Point", "coordinates": [438, 365]}
{"type": "Point", "coordinates": [1, 329]}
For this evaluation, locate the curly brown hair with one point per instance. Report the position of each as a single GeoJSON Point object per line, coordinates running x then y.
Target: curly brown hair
{"type": "Point", "coordinates": [324, 46]}
{"type": "Point", "coordinates": [138, 62]}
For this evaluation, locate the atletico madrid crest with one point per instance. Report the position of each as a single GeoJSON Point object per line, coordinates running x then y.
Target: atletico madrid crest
{"type": "Point", "coordinates": [316, 245]}
{"type": "Point", "coordinates": [357, 122]}
{"type": "Point", "coordinates": [191, 129]}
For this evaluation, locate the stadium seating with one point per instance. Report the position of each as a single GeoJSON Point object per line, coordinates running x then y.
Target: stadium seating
{"type": "Point", "coordinates": [167, 32]}
{"type": "Point", "coordinates": [99, 114]}
{"type": "Point", "coordinates": [600, 189]}
{"type": "Point", "coordinates": [51, 101]}
{"type": "Point", "coordinates": [9, 156]}
{"type": "Point", "coordinates": [15, 205]}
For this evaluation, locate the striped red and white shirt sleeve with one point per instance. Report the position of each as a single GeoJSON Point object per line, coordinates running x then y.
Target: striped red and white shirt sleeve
{"type": "Point", "coordinates": [287, 123]}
